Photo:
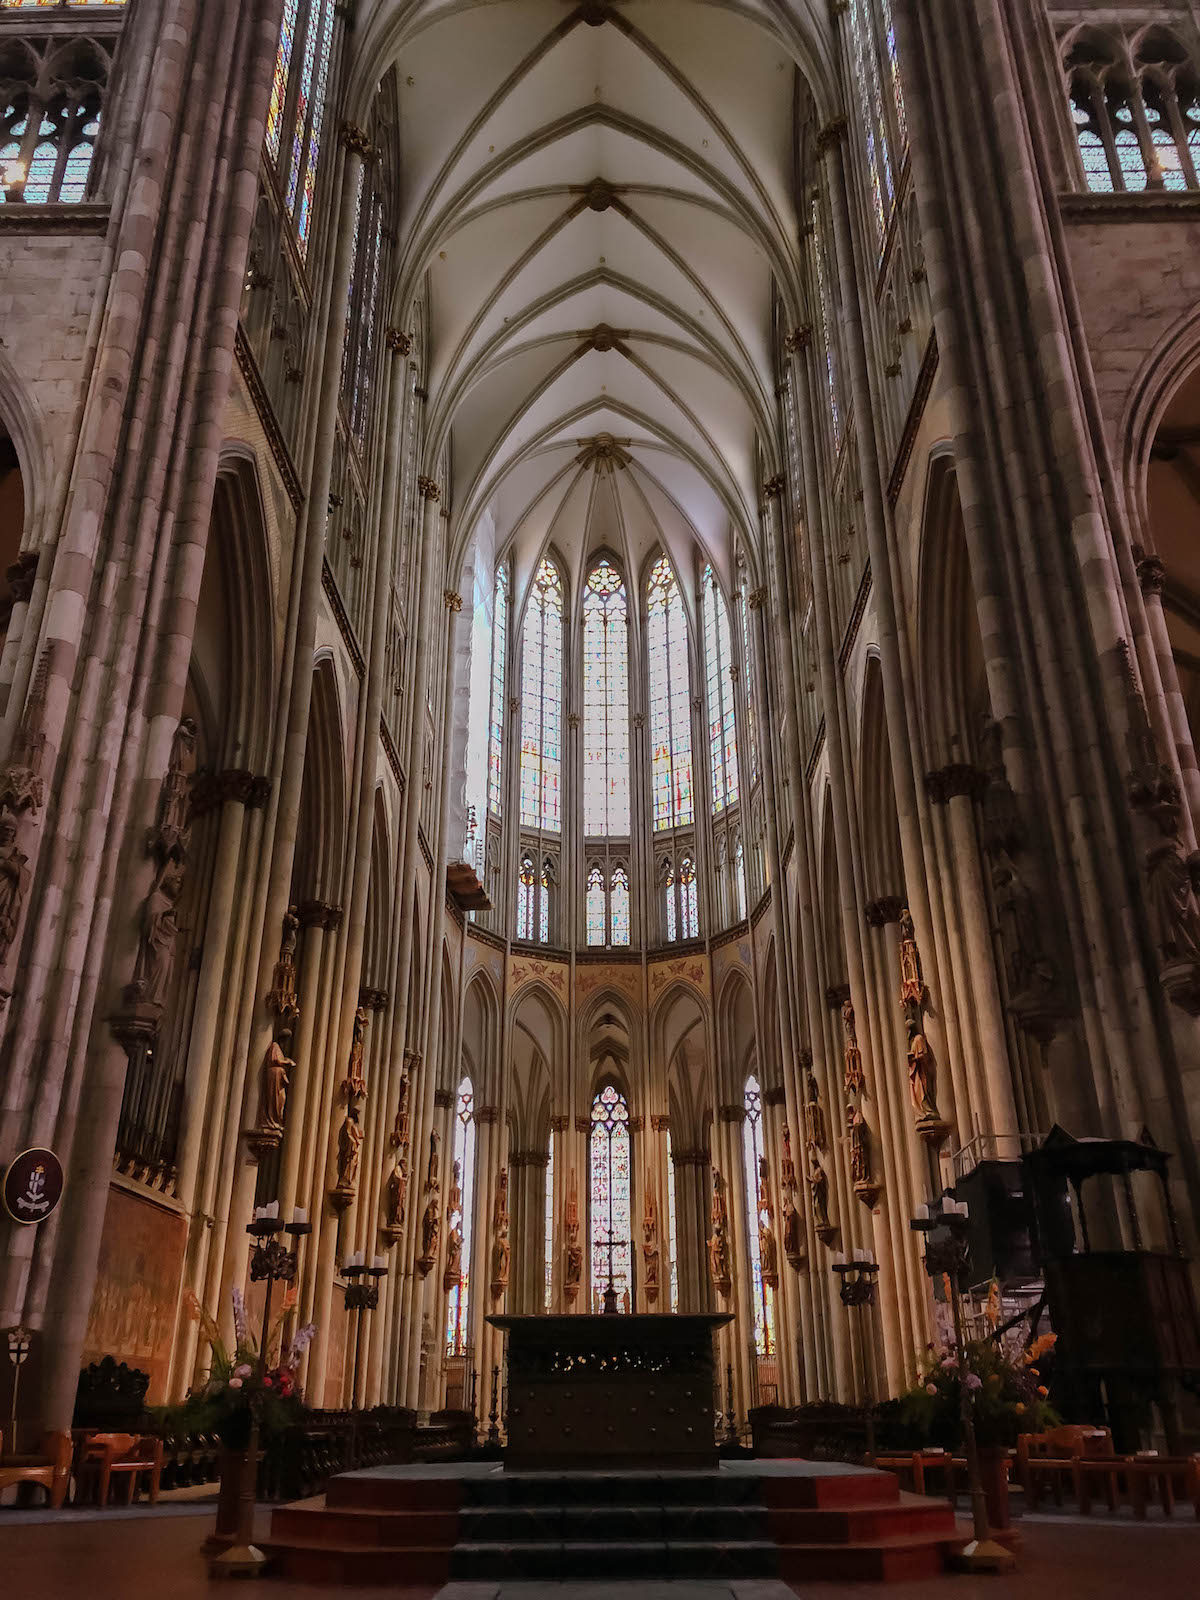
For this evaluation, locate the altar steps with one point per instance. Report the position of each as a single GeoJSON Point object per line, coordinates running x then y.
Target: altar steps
{"type": "Point", "coordinates": [793, 1520]}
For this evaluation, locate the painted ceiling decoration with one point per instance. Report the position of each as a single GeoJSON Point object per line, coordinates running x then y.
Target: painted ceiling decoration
{"type": "Point", "coordinates": [599, 202]}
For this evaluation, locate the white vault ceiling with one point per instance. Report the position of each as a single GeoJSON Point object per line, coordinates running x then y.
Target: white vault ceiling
{"type": "Point", "coordinates": [599, 202]}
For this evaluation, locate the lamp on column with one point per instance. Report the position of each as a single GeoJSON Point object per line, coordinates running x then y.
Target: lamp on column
{"type": "Point", "coordinates": [856, 1287]}
{"type": "Point", "coordinates": [361, 1297]}
{"type": "Point", "coordinates": [271, 1262]}
{"type": "Point", "coordinates": [945, 1224]}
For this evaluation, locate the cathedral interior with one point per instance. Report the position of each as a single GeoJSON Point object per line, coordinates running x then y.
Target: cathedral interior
{"type": "Point", "coordinates": [599, 680]}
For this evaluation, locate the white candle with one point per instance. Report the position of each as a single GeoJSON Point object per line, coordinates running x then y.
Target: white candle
{"type": "Point", "coordinates": [839, 1259]}
{"type": "Point", "coordinates": [272, 1210]}
{"type": "Point", "coordinates": [299, 1216]}
{"type": "Point", "coordinates": [923, 1213]}
{"type": "Point", "coordinates": [259, 1213]}
{"type": "Point", "coordinates": [379, 1262]}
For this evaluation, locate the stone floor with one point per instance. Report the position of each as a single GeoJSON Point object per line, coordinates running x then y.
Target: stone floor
{"type": "Point", "coordinates": [73, 1556]}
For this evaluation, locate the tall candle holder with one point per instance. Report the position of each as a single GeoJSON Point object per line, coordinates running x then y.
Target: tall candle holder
{"type": "Point", "coordinates": [856, 1289]}
{"type": "Point", "coordinates": [361, 1296]}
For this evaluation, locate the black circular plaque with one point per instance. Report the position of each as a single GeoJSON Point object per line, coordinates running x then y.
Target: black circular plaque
{"type": "Point", "coordinates": [33, 1186]}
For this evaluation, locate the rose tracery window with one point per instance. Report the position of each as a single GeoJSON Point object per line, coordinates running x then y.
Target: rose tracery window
{"type": "Point", "coordinates": [611, 1197]}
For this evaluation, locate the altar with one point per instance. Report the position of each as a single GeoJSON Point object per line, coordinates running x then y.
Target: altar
{"type": "Point", "coordinates": [610, 1392]}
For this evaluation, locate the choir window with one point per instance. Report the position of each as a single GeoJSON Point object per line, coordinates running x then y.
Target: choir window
{"type": "Point", "coordinates": [611, 1198]}
{"type": "Point", "coordinates": [757, 1215]}
{"type": "Point", "coordinates": [722, 738]}
{"type": "Point", "coordinates": [541, 702]}
{"type": "Point", "coordinates": [605, 704]}
{"type": "Point", "coordinates": [670, 701]}
{"type": "Point", "coordinates": [458, 1218]}
{"type": "Point", "coordinates": [50, 122]}
{"type": "Point", "coordinates": [296, 112]}
{"type": "Point", "coordinates": [496, 719]}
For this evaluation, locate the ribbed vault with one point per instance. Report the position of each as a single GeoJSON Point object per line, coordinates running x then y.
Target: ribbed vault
{"type": "Point", "coordinates": [599, 211]}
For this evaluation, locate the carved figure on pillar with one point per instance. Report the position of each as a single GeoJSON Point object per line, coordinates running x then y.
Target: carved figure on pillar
{"type": "Point", "coordinates": [282, 998]}
{"type": "Point", "coordinates": [912, 982]}
{"type": "Point", "coordinates": [650, 1244]}
{"type": "Point", "coordinates": [431, 1220]}
{"type": "Point", "coordinates": [274, 1078]}
{"type": "Point", "coordinates": [718, 1244]}
{"type": "Point", "coordinates": [787, 1167]}
{"type": "Point", "coordinates": [156, 951]}
{"type": "Point", "coordinates": [354, 1084]}
{"type": "Point", "coordinates": [853, 1079]}
{"type": "Point", "coordinates": [22, 788]}
{"type": "Point", "coordinates": [454, 1199]}
{"type": "Point", "coordinates": [793, 1234]}
{"type": "Point", "coordinates": [395, 1198]}
{"type": "Point", "coordinates": [814, 1111]}
{"type": "Point", "coordinates": [169, 836]}
{"type": "Point", "coordinates": [573, 1253]}
{"type": "Point", "coordinates": [858, 1139]}
{"type": "Point", "coordinates": [768, 1249]}
{"type": "Point", "coordinates": [399, 1138]}
{"type": "Point", "coordinates": [818, 1186]}
{"type": "Point", "coordinates": [14, 883]}
{"type": "Point", "coordinates": [501, 1248]}
{"type": "Point", "coordinates": [350, 1138]}
{"type": "Point", "coordinates": [452, 1276]}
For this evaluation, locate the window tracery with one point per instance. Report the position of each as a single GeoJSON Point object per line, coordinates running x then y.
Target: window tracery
{"type": "Point", "coordinates": [296, 113]}
{"type": "Point", "coordinates": [460, 1219]}
{"type": "Point", "coordinates": [496, 716]}
{"type": "Point", "coordinates": [52, 95]}
{"type": "Point", "coordinates": [1136, 114]}
{"type": "Point", "coordinates": [722, 736]}
{"type": "Point", "coordinates": [541, 702]}
{"type": "Point", "coordinates": [757, 1212]}
{"type": "Point", "coordinates": [828, 324]}
{"type": "Point", "coordinates": [670, 701]}
{"type": "Point", "coordinates": [611, 1196]}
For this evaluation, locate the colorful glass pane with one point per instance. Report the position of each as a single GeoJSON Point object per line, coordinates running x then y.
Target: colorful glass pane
{"type": "Point", "coordinates": [550, 1252]}
{"type": "Point", "coordinates": [496, 727]}
{"type": "Point", "coordinates": [750, 679]}
{"type": "Point", "coordinates": [672, 1232]}
{"type": "Point", "coordinates": [718, 660]}
{"type": "Point", "coordinates": [870, 105]}
{"type": "Point", "coordinates": [832, 381]}
{"type": "Point", "coordinates": [618, 908]}
{"type": "Point", "coordinates": [670, 701]}
{"type": "Point", "coordinates": [304, 214]}
{"type": "Point", "coordinates": [544, 904]}
{"type": "Point", "coordinates": [689, 914]}
{"type": "Point", "coordinates": [893, 60]}
{"type": "Point", "coordinates": [605, 704]}
{"type": "Point", "coordinates": [279, 82]}
{"type": "Point", "coordinates": [457, 1327]}
{"type": "Point", "coordinates": [526, 894]}
{"type": "Point", "coordinates": [756, 1212]}
{"type": "Point", "coordinates": [672, 909]}
{"type": "Point", "coordinates": [595, 908]}
{"type": "Point", "coordinates": [611, 1210]}
{"type": "Point", "coordinates": [300, 112]}
{"type": "Point", "coordinates": [541, 702]}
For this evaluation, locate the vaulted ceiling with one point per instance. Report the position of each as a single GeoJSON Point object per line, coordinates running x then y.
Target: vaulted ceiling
{"type": "Point", "coordinates": [600, 203]}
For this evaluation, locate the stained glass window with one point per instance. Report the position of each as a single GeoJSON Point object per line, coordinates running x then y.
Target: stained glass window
{"type": "Point", "coordinates": [668, 878]}
{"type": "Point", "coordinates": [718, 660]}
{"type": "Point", "coordinates": [689, 917]}
{"type": "Point", "coordinates": [596, 918]}
{"type": "Point", "coordinates": [496, 726]}
{"type": "Point", "coordinates": [618, 907]}
{"type": "Point", "coordinates": [526, 898]}
{"type": "Point", "coordinates": [541, 702]}
{"type": "Point", "coordinates": [605, 704]}
{"type": "Point", "coordinates": [611, 1208]}
{"type": "Point", "coordinates": [550, 1251]}
{"type": "Point", "coordinates": [1129, 149]}
{"type": "Point", "coordinates": [893, 68]}
{"type": "Point", "coordinates": [871, 116]}
{"type": "Point", "coordinates": [1096, 170]}
{"type": "Point", "coordinates": [672, 1235]}
{"type": "Point", "coordinates": [828, 327]}
{"type": "Point", "coordinates": [544, 882]}
{"type": "Point", "coordinates": [457, 1329]}
{"type": "Point", "coordinates": [757, 1212]}
{"type": "Point", "coordinates": [670, 701]}
{"type": "Point", "coordinates": [750, 679]}
{"type": "Point", "coordinates": [46, 146]}
{"type": "Point", "coordinates": [279, 83]}
{"type": "Point", "coordinates": [739, 881]}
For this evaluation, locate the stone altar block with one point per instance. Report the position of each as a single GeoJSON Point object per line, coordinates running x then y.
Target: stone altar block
{"type": "Point", "coordinates": [609, 1393]}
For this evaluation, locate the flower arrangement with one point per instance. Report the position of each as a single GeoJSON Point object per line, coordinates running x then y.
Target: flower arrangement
{"type": "Point", "coordinates": [238, 1386]}
{"type": "Point", "coordinates": [1005, 1383]}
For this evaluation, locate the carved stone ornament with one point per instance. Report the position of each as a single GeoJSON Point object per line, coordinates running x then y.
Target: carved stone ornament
{"type": "Point", "coordinates": [399, 1135]}
{"type": "Point", "coordinates": [793, 1235]}
{"type": "Point", "coordinates": [912, 981]}
{"type": "Point", "coordinates": [14, 883]}
{"type": "Point", "coordinates": [853, 1075]}
{"type": "Point", "coordinates": [452, 1277]}
{"type": "Point", "coordinates": [354, 1085]}
{"type": "Point", "coordinates": [147, 993]}
{"type": "Point", "coordinates": [572, 1249]}
{"type": "Point", "coordinates": [818, 1188]}
{"type": "Point", "coordinates": [282, 1001]}
{"type": "Point", "coordinates": [858, 1140]}
{"type": "Point", "coordinates": [501, 1249]}
{"type": "Point", "coordinates": [814, 1113]}
{"type": "Point", "coordinates": [350, 1138]}
{"type": "Point", "coordinates": [431, 1218]}
{"type": "Point", "coordinates": [22, 788]}
{"type": "Point", "coordinates": [650, 1258]}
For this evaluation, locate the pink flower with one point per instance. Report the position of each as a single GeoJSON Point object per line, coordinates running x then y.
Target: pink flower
{"type": "Point", "coordinates": [243, 1371]}
{"type": "Point", "coordinates": [931, 1388]}
{"type": "Point", "coordinates": [973, 1381]}
{"type": "Point", "coordinates": [235, 1383]}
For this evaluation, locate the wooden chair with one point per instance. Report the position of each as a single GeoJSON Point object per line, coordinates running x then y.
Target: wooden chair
{"type": "Point", "coordinates": [1162, 1476]}
{"type": "Point", "coordinates": [1048, 1458]}
{"type": "Point", "coordinates": [124, 1456]}
{"type": "Point", "coordinates": [50, 1467]}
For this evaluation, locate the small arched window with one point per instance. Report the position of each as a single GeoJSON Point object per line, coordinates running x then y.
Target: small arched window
{"type": "Point", "coordinates": [596, 908]}
{"type": "Point", "coordinates": [526, 898]}
{"type": "Point", "coordinates": [611, 1210]}
{"type": "Point", "coordinates": [618, 908]}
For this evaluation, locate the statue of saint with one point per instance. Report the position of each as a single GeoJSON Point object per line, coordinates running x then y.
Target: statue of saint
{"type": "Point", "coordinates": [14, 883]}
{"type": "Point", "coordinates": [350, 1138]}
{"type": "Point", "coordinates": [433, 1176]}
{"type": "Point", "coordinates": [354, 1085]}
{"type": "Point", "coordinates": [273, 1083]}
{"type": "Point", "coordinates": [397, 1194]}
{"type": "Point", "coordinates": [171, 833]}
{"type": "Point", "coordinates": [793, 1237]}
{"type": "Point", "coordinates": [1026, 966]}
{"type": "Point", "coordinates": [282, 998]}
{"type": "Point", "coordinates": [500, 1257]}
{"type": "Point", "coordinates": [768, 1251]}
{"type": "Point", "coordinates": [818, 1184]}
{"type": "Point", "coordinates": [454, 1200]}
{"type": "Point", "coordinates": [860, 1153]}
{"type": "Point", "coordinates": [400, 1126]}
{"type": "Point", "coordinates": [814, 1112]}
{"type": "Point", "coordinates": [454, 1249]}
{"type": "Point", "coordinates": [854, 1068]}
{"type": "Point", "coordinates": [431, 1228]}
{"type": "Point", "coordinates": [156, 953]}
{"type": "Point", "coordinates": [912, 984]}
{"type": "Point", "coordinates": [922, 1074]}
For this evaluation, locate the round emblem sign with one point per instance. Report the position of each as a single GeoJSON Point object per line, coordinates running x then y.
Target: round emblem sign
{"type": "Point", "coordinates": [33, 1186]}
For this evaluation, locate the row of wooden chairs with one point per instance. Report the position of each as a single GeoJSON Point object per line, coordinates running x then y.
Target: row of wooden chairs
{"type": "Point", "coordinates": [99, 1463]}
{"type": "Point", "coordinates": [1084, 1459]}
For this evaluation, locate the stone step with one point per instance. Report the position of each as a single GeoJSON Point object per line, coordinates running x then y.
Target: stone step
{"type": "Point", "coordinates": [622, 1560]}
{"type": "Point", "coordinates": [860, 1486]}
{"type": "Point", "coordinates": [357, 1526]}
{"type": "Point", "coordinates": [887, 1560]}
{"type": "Point", "coordinates": [861, 1523]}
{"type": "Point", "coordinates": [573, 1523]}
{"type": "Point", "coordinates": [611, 1488]}
{"type": "Point", "coordinates": [306, 1561]}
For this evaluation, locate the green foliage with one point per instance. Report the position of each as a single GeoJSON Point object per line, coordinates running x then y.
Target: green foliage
{"type": "Point", "coordinates": [1004, 1385]}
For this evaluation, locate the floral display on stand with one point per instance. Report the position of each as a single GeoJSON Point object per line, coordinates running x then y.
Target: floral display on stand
{"type": "Point", "coordinates": [1005, 1382]}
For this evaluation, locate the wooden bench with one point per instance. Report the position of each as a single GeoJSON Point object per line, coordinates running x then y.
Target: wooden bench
{"type": "Point", "coordinates": [50, 1467]}
{"type": "Point", "coordinates": [126, 1457]}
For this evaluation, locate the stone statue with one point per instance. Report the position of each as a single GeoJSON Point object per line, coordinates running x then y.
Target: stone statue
{"type": "Point", "coordinates": [787, 1167]}
{"type": "Point", "coordinates": [860, 1152]}
{"type": "Point", "coordinates": [853, 1055]}
{"type": "Point", "coordinates": [1171, 881]}
{"type": "Point", "coordinates": [1028, 970]}
{"type": "Point", "coordinates": [818, 1184]}
{"type": "Point", "coordinates": [170, 834]}
{"type": "Point", "coordinates": [14, 883]}
{"type": "Point", "coordinates": [912, 984]}
{"type": "Point", "coordinates": [452, 1276]}
{"type": "Point", "coordinates": [397, 1195]}
{"type": "Point", "coordinates": [156, 952]}
{"type": "Point", "coordinates": [922, 1073]}
{"type": "Point", "coordinates": [650, 1245]}
{"type": "Point", "coordinates": [350, 1138]}
{"type": "Point", "coordinates": [500, 1258]}
{"type": "Point", "coordinates": [354, 1084]}
{"type": "Point", "coordinates": [433, 1175]}
{"type": "Point", "coordinates": [454, 1200]}
{"type": "Point", "coordinates": [718, 1248]}
{"type": "Point", "coordinates": [282, 998]}
{"type": "Point", "coordinates": [793, 1236]}
{"type": "Point", "coordinates": [400, 1126]}
{"type": "Point", "coordinates": [768, 1251]}
{"type": "Point", "coordinates": [814, 1113]}
{"type": "Point", "coordinates": [273, 1083]}
{"type": "Point", "coordinates": [431, 1231]}
{"type": "Point", "coordinates": [501, 1211]}
{"type": "Point", "coordinates": [573, 1262]}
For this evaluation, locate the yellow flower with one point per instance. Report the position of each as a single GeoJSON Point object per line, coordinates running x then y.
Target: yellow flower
{"type": "Point", "coordinates": [1042, 1390]}
{"type": "Point", "coordinates": [1019, 1407]}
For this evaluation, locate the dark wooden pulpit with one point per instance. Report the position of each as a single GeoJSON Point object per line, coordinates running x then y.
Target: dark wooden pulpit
{"type": "Point", "coordinates": [610, 1392]}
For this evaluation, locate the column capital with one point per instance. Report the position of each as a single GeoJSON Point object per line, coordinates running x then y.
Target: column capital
{"type": "Point", "coordinates": [443, 1098]}
{"type": "Point", "coordinates": [1152, 575]}
{"type": "Point", "coordinates": [528, 1158]}
{"type": "Point", "coordinates": [398, 342]}
{"type": "Point", "coordinates": [559, 1124]}
{"type": "Point", "coordinates": [731, 1113]}
{"type": "Point", "coordinates": [774, 486]}
{"type": "Point", "coordinates": [210, 790]}
{"type": "Point", "coordinates": [429, 490]}
{"type": "Point", "coordinates": [888, 908]}
{"type": "Point", "coordinates": [831, 134]}
{"type": "Point", "coordinates": [583, 1124]}
{"type": "Point", "coordinates": [775, 1096]}
{"type": "Point", "coordinates": [319, 914]}
{"type": "Point", "coordinates": [758, 598]}
{"type": "Point", "coordinates": [373, 999]}
{"type": "Point", "coordinates": [660, 1121]}
{"type": "Point", "coordinates": [959, 779]}
{"type": "Point", "coordinates": [637, 1124]}
{"type": "Point", "coordinates": [357, 140]}
{"type": "Point", "coordinates": [798, 339]}
{"type": "Point", "coordinates": [836, 995]}
{"type": "Point", "coordinates": [452, 600]}
{"type": "Point", "coordinates": [487, 1116]}
{"type": "Point", "coordinates": [691, 1158]}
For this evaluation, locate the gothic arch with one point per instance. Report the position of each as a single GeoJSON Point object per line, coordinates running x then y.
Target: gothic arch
{"type": "Point", "coordinates": [480, 1050]}
{"type": "Point", "coordinates": [321, 835]}
{"type": "Point", "coordinates": [877, 795]}
{"type": "Point", "coordinates": [737, 1037]}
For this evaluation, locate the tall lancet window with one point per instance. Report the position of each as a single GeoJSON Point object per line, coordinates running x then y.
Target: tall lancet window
{"type": "Point", "coordinates": [541, 702]}
{"type": "Point", "coordinates": [596, 909]}
{"type": "Point", "coordinates": [549, 1235]}
{"type": "Point", "coordinates": [527, 893]}
{"type": "Point", "coordinates": [750, 679]}
{"type": "Point", "coordinates": [611, 1208]}
{"type": "Point", "coordinates": [618, 907]}
{"type": "Point", "coordinates": [296, 113]}
{"type": "Point", "coordinates": [718, 660]}
{"type": "Point", "coordinates": [458, 1219]}
{"type": "Point", "coordinates": [753, 1152]}
{"type": "Point", "coordinates": [496, 719]}
{"type": "Point", "coordinates": [828, 327]}
{"type": "Point", "coordinates": [670, 700]}
{"type": "Point", "coordinates": [605, 704]}
{"type": "Point", "coordinates": [871, 113]}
